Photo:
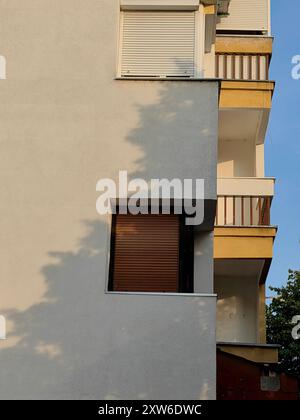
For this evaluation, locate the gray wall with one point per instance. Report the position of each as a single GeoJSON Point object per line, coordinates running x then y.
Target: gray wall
{"type": "Point", "coordinates": [203, 262]}
{"type": "Point", "coordinates": [237, 308]}
{"type": "Point", "coordinates": [115, 347]}
{"type": "Point", "coordinates": [65, 123]}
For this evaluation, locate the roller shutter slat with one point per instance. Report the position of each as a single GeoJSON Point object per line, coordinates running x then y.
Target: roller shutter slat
{"type": "Point", "coordinates": [158, 44]}
{"type": "Point", "coordinates": [146, 253]}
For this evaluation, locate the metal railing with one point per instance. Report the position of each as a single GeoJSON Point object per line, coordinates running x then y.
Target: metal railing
{"type": "Point", "coordinates": [243, 211]}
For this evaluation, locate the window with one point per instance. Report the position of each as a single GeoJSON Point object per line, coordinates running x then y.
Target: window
{"type": "Point", "coordinates": [151, 253]}
{"type": "Point", "coordinates": [159, 44]}
{"type": "Point", "coordinates": [245, 18]}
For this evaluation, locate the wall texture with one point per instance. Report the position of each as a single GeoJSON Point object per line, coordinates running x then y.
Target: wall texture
{"type": "Point", "coordinates": [236, 158]}
{"type": "Point", "coordinates": [65, 122]}
{"type": "Point", "coordinates": [113, 347]}
{"type": "Point", "coordinates": [237, 309]}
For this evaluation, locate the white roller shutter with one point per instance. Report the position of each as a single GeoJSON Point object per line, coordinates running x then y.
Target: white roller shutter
{"type": "Point", "coordinates": [158, 44]}
{"type": "Point", "coordinates": [246, 15]}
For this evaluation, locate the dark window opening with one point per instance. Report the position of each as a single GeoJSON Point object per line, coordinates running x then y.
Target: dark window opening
{"type": "Point", "coordinates": [240, 32]}
{"type": "Point", "coordinates": [151, 253]}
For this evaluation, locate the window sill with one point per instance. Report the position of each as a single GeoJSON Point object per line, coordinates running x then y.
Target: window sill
{"type": "Point", "coordinates": [170, 79]}
{"type": "Point", "coordinates": [191, 295]}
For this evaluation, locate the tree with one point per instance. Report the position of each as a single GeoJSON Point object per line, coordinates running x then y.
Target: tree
{"type": "Point", "coordinates": [280, 313]}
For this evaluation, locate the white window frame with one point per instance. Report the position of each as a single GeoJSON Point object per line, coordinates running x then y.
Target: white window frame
{"type": "Point", "coordinates": [159, 4]}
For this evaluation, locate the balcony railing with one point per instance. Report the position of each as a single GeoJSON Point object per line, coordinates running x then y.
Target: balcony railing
{"type": "Point", "coordinates": [243, 211]}
{"type": "Point", "coordinates": [242, 66]}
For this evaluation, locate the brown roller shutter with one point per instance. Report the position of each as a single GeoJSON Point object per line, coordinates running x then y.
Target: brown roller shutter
{"type": "Point", "coordinates": [146, 253]}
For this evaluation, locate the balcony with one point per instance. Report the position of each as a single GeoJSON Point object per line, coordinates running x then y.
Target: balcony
{"type": "Point", "coordinates": [243, 58]}
{"type": "Point", "coordinates": [238, 66]}
{"type": "Point", "coordinates": [244, 202]}
{"type": "Point", "coordinates": [243, 251]}
{"type": "Point", "coordinates": [242, 62]}
{"type": "Point", "coordinates": [258, 353]}
{"type": "Point", "coordinates": [243, 227]}
{"type": "Point", "coordinates": [243, 211]}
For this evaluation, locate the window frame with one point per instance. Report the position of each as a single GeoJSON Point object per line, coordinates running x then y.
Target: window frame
{"type": "Point", "coordinates": [199, 46]}
{"type": "Point", "coordinates": [186, 258]}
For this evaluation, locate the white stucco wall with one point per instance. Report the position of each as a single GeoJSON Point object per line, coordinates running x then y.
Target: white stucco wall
{"type": "Point", "coordinates": [210, 63]}
{"type": "Point", "coordinates": [260, 160]}
{"type": "Point", "coordinates": [203, 262]}
{"type": "Point", "coordinates": [65, 122]}
{"type": "Point", "coordinates": [237, 309]}
{"type": "Point", "coordinates": [236, 158]}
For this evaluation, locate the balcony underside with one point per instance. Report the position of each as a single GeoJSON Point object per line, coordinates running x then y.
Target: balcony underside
{"type": "Point", "coordinates": [244, 111]}
{"type": "Point", "coordinates": [237, 124]}
{"type": "Point", "coordinates": [239, 245]}
{"type": "Point", "coordinates": [259, 353]}
{"type": "Point", "coordinates": [246, 94]}
{"type": "Point", "coordinates": [244, 242]}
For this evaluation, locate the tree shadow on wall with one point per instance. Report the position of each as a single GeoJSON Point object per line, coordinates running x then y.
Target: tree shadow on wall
{"type": "Point", "coordinates": [57, 354]}
{"type": "Point", "coordinates": [177, 132]}
{"type": "Point", "coordinates": [80, 343]}
{"type": "Point", "coordinates": [55, 335]}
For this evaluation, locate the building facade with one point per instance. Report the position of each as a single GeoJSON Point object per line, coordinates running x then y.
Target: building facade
{"type": "Point", "coordinates": [244, 234]}
{"type": "Point", "coordinates": [123, 306]}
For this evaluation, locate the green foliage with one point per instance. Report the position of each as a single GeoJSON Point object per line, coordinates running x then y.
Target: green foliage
{"type": "Point", "coordinates": [280, 313]}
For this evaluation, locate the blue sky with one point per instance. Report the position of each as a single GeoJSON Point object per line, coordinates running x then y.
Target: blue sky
{"type": "Point", "coordinates": [283, 140]}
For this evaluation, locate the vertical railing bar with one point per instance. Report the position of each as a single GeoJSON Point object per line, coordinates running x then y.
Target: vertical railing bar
{"type": "Point", "coordinates": [250, 67]}
{"type": "Point", "coordinates": [233, 66]}
{"type": "Point", "coordinates": [217, 65]}
{"type": "Point", "coordinates": [269, 211]}
{"type": "Point", "coordinates": [242, 210]}
{"type": "Point", "coordinates": [260, 212]}
{"type": "Point", "coordinates": [258, 58]}
{"type": "Point", "coordinates": [251, 211]}
{"type": "Point", "coordinates": [234, 210]}
{"type": "Point", "coordinates": [242, 67]}
{"type": "Point", "coordinates": [264, 210]}
{"type": "Point", "coordinates": [225, 66]}
{"type": "Point", "coordinates": [267, 66]}
{"type": "Point", "coordinates": [225, 210]}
